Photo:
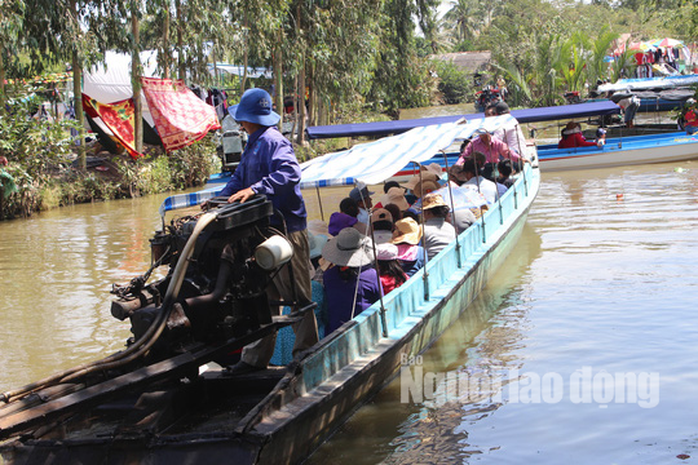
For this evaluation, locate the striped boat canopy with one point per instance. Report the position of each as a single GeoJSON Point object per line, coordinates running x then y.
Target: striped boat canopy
{"type": "Point", "coordinates": [177, 201]}
{"type": "Point", "coordinates": [369, 163]}
{"type": "Point", "coordinates": [374, 162]}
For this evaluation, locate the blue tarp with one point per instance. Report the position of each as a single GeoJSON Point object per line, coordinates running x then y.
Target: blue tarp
{"type": "Point", "coordinates": [382, 128]}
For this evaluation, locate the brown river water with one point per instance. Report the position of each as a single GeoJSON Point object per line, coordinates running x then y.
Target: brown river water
{"type": "Point", "coordinates": [582, 349]}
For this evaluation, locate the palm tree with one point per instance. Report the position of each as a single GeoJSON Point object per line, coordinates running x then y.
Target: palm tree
{"type": "Point", "coordinates": [463, 16]}
{"type": "Point", "coordinates": [597, 65]}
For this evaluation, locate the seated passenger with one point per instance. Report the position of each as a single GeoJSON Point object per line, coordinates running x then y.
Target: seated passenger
{"type": "Point", "coordinates": [411, 214]}
{"type": "Point", "coordinates": [572, 137]}
{"type": "Point", "coordinates": [455, 176]}
{"type": "Point", "coordinates": [438, 233]}
{"type": "Point", "coordinates": [493, 149]}
{"type": "Point", "coordinates": [382, 222]}
{"type": "Point", "coordinates": [386, 187]}
{"type": "Point", "coordinates": [316, 242]}
{"type": "Point", "coordinates": [505, 170]}
{"type": "Point", "coordinates": [391, 273]}
{"type": "Point", "coordinates": [600, 137]}
{"type": "Point", "coordinates": [410, 254]}
{"type": "Point", "coordinates": [394, 211]}
{"type": "Point", "coordinates": [362, 197]}
{"type": "Point", "coordinates": [429, 175]}
{"type": "Point", "coordinates": [690, 117]}
{"type": "Point", "coordinates": [425, 187]}
{"type": "Point", "coordinates": [483, 185]}
{"type": "Point", "coordinates": [396, 196]}
{"type": "Point", "coordinates": [462, 220]}
{"type": "Point", "coordinates": [352, 276]}
{"type": "Point", "coordinates": [346, 218]}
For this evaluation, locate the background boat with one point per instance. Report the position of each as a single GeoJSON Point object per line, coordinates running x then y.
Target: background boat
{"type": "Point", "coordinates": [621, 151]}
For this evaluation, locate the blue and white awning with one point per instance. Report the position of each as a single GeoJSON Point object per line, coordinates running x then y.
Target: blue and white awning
{"type": "Point", "coordinates": [374, 162]}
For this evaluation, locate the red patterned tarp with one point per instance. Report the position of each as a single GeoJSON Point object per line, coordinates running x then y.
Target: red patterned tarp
{"type": "Point", "coordinates": [181, 118]}
{"type": "Point", "coordinates": [118, 117]}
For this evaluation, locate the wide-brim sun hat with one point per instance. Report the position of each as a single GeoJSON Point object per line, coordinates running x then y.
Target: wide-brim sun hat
{"type": "Point", "coordinates": [255, 107]}
{"type": "Point", "coordinates": [396, 195]}
{"type": "Point", "coordinates": [316, 243]}
{"type": "Point", "coordinates": [407, 231]}
{"type": "Point", "coordinates": [417, 178]}
{"type": "Point", "coordinates": [386, 251]}
{"type": "Point", "coordinates": [432, 201]}
{"type": "Point", "coordinates": [434, 168]}
{"type": "Point", "coordinates": [349, 248]}
{"type": "Point", "coordinates": [425, 187]}
{"type": "Point", "coordinates": [457, 172]}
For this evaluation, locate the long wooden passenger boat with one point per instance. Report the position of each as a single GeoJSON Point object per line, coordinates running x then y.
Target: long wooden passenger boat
{"type": "Point", "coordinates": [161, 408]}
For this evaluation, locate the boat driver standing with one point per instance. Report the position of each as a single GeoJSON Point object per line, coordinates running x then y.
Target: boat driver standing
{"type": "Point", "coordinates": [269, 166]}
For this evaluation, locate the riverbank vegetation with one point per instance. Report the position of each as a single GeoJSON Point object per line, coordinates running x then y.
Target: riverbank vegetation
{"type": "Point", "coordinates": [338, 62]}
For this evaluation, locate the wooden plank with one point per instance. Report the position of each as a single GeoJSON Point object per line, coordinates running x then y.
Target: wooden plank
{"type": "Point", "coordinates": [169, 368]}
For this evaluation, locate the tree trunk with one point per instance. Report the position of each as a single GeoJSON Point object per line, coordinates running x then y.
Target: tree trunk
{"type": "Point", "coordinates": [312, 98]}
{"type": "Point", "coordinates": [300, 98]}
{"type": "Point", "coordinates": [243, 80]}
{"type": "Point", "coordinates": [77, 97]}
{"type": "Point", "coordinates": [245, 56]}
{"type": "Point", "coordinates": [180, 41]}
{"type": "Point", "coordinates": [296, 108]}
{"type": "Point", "coordinates": [216, 78]}
{"type": "Point", "coordinates": [136, 81]}
{"type": "Point", "coordinates": [278, 81]}
{"type": "Point", "coordinates": [166, 52]}
{"type": "Point", "coordinates": [301, 102]}
{"type": "Point", "coordinates": [3, 99]}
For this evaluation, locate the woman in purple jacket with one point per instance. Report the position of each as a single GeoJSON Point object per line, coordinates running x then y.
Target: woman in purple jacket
{"type": "Point", "coordinates": [351, 283]}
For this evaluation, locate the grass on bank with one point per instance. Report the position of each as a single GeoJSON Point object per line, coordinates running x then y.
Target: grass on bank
{"type": "Point", "coordinates": [108, 177]}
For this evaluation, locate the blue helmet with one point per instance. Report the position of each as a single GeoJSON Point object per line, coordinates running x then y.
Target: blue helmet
{"type": "Point", "coordinates": [255, 107]}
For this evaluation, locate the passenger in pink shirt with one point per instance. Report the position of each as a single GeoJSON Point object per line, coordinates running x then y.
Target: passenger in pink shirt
{"type": "Point", "coordinates": [493, 148]}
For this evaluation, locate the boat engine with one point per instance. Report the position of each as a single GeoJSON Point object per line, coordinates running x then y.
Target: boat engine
{"type": "Point", "coordinates": [222, 292]}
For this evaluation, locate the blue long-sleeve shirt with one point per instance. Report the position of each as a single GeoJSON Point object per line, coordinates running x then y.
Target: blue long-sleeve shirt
{"type": "Point", "coordinates": [269, 166]}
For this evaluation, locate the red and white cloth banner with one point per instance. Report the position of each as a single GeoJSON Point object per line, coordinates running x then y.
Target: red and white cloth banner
{"type": "Point", "coordinates": [181, 118]}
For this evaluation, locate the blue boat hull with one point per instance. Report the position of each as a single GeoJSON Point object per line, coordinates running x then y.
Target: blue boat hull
{"type": "Point", "coordinates": [636, 150]}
